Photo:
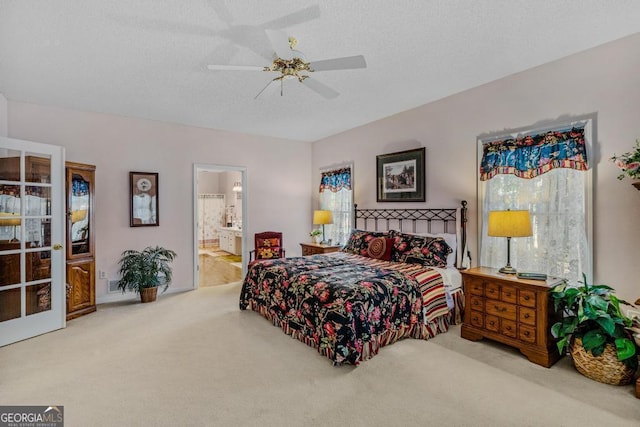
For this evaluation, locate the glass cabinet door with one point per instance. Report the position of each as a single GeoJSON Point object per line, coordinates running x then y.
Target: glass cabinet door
{"type": "Point", "coordinates": [79, 213]}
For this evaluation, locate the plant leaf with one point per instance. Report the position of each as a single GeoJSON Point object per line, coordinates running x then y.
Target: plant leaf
{"type": "Point", "coordinates": [607, 324]}
{"type": "Point", "coordinates": [562, 343]}
{"type": "Point", "coordinates": [625, 348]}
{"type": "Point", "coordinates": [593, 339]}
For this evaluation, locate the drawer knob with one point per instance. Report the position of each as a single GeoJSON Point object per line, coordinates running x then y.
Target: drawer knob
{"type": "Point", "coordinates": [508, 328]}
{"type": "Point", "coordinates": [526, 297]}
{"type": "Point", "coordinates": [526, 333]}
{"type": "Point", "coordinates": [526, 316]}
{"type": "Point", "coordinates": [492, 323]}
{"type": "Point", "coordinates": [508, 294]}
{"type": "Point", "coordinates": [500, 309]}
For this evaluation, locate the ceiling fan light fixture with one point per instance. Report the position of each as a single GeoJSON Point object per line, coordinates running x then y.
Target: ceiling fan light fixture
{"type": "Point", "coordinates": [290, 64]}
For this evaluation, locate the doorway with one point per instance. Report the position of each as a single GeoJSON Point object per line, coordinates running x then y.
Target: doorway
{"type": "Point", "coordinates": [219, 224]}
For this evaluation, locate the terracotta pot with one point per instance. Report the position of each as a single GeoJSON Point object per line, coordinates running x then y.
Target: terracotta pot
{"type": "Point", "coordinates": [148, 294]}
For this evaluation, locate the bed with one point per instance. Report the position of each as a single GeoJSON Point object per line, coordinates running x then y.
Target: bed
{"type": "Point", "coordinates": [396, 277]}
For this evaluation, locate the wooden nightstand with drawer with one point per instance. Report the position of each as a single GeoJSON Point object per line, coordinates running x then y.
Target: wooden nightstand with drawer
{"type": "Point", "coordinates": [516, 312]}
{"type": "Point", "coordinates": [315, 248]}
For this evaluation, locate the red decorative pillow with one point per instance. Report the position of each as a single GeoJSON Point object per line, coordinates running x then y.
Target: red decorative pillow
{"type": "Point", "coordinates": [273, 241]}
{"type": "Point", "coordinates": [380, 248]}
{"type": "Point", "coordinates": [268, 252]}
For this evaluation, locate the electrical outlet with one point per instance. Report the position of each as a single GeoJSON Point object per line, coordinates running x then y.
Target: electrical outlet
{"type": "Point", "coordinates": [102, 274]}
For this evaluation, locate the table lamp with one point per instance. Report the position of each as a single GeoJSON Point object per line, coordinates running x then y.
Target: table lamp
{"type": "Point", "coordinates": [509, 224]}
{"type": "Point", "coordinates": [322, 218]}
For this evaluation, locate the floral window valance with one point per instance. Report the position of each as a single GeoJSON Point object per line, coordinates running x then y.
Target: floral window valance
{"type": "Point", "coordinates": [532, 155]}
{"type": "Point", "coordinates": [336, 180]}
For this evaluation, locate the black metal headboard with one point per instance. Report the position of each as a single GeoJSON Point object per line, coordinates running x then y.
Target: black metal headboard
{"type": "Point", "coordinates": [415, 220]}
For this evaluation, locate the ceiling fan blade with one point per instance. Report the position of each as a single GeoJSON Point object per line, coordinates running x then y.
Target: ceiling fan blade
{"type": "Point", "coordinates": [345, 63]}
{"type": "Point", "coordinates": [235, 67]}
{"type": "Point", "coordinates": [270, 87]}
{"type": "Point", "coordinates": [304, 15]}
{"type": "Point", "coordinates": [320, 88]}
{"type": "Point", "coordinates": [221, 9]}
{"type": "Point", "coordinates": [280, 43]}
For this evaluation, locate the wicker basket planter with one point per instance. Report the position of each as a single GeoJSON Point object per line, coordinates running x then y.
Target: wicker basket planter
{"type": "Point", "coordinates": [148, 294]}
{"type": "Point", "coordinates": [605, 368]}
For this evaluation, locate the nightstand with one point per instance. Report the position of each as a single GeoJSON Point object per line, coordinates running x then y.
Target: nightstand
{"type": "Point", "coordinates": [516, 312]}
{"type": "Point", "coordinates": [315, 248]}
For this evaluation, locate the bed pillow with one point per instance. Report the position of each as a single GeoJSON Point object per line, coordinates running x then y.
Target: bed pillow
{"type": "Point", "coordinates": [452, 241]}
{"type": "Point", "coordinates": [412, 249]}
{"type": "Point", "coordinates": [358, 242]}
{"type": "Point", "coordinates": [380, 248]}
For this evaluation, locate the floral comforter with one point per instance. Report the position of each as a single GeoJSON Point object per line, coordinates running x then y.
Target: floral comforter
{"type": "Point", "coordinates": [347, 306]}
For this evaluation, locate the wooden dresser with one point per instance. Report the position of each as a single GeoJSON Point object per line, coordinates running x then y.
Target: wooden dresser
{"type": "Point", "coordinates": [513, 311]}
{"type": "Point", "coordinates": [315, 248]}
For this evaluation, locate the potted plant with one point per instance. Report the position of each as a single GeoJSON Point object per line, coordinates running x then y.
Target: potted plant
{"type": "Point", "coordinates": [143, 271]}
{"type": "Point", "coordinates": [629, 164]}
{"type": "Point", "coordinates": [315, 235]}
{"type": "Point", "coordinates": [594, 330]}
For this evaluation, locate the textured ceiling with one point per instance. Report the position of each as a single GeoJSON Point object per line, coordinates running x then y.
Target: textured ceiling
{"type": "Point", "coordinates": [148, 58]}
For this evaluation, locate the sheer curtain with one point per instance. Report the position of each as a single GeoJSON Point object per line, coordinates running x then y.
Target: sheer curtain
{"type": "Point", "coordinates": [336, 195]}
{"type": "Point", "coordinates": [552, 185]}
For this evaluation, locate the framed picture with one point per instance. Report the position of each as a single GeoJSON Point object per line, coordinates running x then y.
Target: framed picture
{"type": "Point", "coordinates": [143, 196]}
{"type": "Point", "coordinates": [401, 176]}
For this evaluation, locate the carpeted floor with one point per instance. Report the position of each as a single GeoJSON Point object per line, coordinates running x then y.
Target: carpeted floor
{"type": "Point", "coordinates": [195, 359]}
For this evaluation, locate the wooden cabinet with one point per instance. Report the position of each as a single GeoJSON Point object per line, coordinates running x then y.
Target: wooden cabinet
{"type": "Point", "coordinates": [315, 248]}
{"type": "Point", "coordinates": [231, 240]}
{"type": "Point", "coordinates": [513, 311]}
{"type": "Point", "coordinates": [80, 189]}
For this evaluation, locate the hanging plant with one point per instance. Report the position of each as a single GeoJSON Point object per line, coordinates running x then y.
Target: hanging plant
{"type": "Point", "coordinates": [629, 162]}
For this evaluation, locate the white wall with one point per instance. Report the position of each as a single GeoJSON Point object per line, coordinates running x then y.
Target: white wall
{"type": "Point", "coordinates": [208, 182]}
{"type": "Point", "coordinates": [604, 80]}
{"type": "Point", "coordinates": [277, 184]}
{"type": "Point", "coordinates": [4, 127]}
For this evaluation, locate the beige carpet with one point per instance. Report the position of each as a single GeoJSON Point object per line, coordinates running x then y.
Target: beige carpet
{"type": "Point", "coordinates": [195, 359]}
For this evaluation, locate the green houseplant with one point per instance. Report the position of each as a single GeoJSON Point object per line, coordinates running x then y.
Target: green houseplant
{"type": "Point", "coordinates": [593, 327]}
{"type": "Point", "coordinates": [629, 163]}
{"type": "Point", "coordinates": [315, 234]}
{"type": "Point", "coordinates": [143, 271]}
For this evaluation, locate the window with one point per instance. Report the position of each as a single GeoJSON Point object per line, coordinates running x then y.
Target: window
{"type": "Point", "coordinates": [336, 195]}
{"type": "Point", "coordinates": [547, 174]}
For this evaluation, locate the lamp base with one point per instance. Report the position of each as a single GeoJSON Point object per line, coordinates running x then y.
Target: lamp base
{"type": "Point", "coordinates": [507, 269]}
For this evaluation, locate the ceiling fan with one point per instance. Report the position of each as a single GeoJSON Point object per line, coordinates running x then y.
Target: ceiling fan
{"type": "Point", "coordinates": [292, 64]}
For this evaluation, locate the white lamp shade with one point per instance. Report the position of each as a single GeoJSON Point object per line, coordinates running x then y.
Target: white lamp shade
{"type": "Point", "coordinates": [509, 224]}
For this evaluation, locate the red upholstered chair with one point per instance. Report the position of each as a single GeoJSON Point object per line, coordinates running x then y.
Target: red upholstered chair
{"type": "Point", "coordinates": [268, 245]}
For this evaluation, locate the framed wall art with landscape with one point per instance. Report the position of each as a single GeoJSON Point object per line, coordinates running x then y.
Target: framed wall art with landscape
{"type": "Point", "coordinates": [143, 199]}
{"type": "Point", "coordinates": [400, 176]}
